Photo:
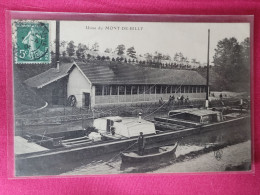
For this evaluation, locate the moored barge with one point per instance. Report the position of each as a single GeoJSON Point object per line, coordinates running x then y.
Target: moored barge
{"type": "Point", "coordinates": [179, 123]}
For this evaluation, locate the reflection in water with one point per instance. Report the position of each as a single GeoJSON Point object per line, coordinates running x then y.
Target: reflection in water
{"type": "Point", "coordinates": [189, 148]}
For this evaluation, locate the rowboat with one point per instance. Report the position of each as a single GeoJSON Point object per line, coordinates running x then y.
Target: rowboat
{"type": "Point", "coordinates": [150, 155]}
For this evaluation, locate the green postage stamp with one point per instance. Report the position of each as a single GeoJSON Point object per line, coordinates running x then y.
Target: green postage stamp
{"type": "Point", "coordinates": [32, 42]}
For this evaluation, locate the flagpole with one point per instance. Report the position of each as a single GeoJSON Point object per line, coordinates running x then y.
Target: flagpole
{"type": "Point", "coordinates": [207, 88]}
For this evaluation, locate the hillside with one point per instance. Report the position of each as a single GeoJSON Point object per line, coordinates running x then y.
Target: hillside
{"type": "Point", "coordinates": [24, 97]}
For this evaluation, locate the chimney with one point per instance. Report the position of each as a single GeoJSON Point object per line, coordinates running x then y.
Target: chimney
{"type": "Point", "coordinates": [139, 117]}
{"type": "Point", "coordinates": [58, 44]}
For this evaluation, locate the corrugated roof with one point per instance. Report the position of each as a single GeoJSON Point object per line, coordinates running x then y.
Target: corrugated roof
{"type": "Point", "coordinates": [49, 76]}
{"type": "Point", "coordinates": [122, 73]}
{"type": "Point", "coordinates": [106, 72]}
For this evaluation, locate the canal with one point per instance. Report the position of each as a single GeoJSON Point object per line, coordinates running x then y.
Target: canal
{"type": "Point", "coordinates": [219, 150]}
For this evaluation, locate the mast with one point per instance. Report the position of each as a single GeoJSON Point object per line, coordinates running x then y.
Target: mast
{"type": "Point", "coordinates": [207, 88]}
{"type": "Point", "coordinates": [57, 45]}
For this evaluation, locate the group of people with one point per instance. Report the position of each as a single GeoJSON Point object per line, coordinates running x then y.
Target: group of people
{"type": "Point", "coordinates": [181, 100]}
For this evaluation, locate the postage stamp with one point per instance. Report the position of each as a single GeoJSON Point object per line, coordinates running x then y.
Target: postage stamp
{"type": "Point", "coordinates": [32, 42]}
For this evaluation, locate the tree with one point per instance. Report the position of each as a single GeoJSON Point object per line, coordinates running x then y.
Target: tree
{"type": "Point", "coordinates": [131, 52]}
{"type": "Point", "coordinates": [245, 69]}
{"type": "Point", "coordinates": [120, 49]}
{"type": "Point", "coordinates": [176, 57]}
{"type": "Point", "coordinates": [166, 57]}
{"type": "Point", "coordinates": [157, 57]}
{"type": "Point", "coordinates": [88, 56]}
{"type": "Point", "coordinates": [193, 61]}
{"type": "Point", "coordinates": [64, 54]}
{"type": "Point", "coordinates": [227, 56]}
{"type": "Point", "coordinates": [246, 52]}
{"type": "Point", "coordinates": [71, 48]}
{"type": "Point", "coordinates": [108, 50]}
{"type": "Point", "coordinates": [181, 57]}
{"type": "Point", "coordinates": [230, 59]}
{"type": "Point", "coordinates": [95, 47]}
{"type": "Point", "coordinates": [148, 57]}
{"type": "Point", "coordinates": [81, 51]}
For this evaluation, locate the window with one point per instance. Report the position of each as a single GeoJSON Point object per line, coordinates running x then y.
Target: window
{"type": "Point", "coordinates": [114, 90]}
{"type": "Point", "coordinates": [182, 89]}
{"type": "Point", "coordinates": [173, 89]}
{"type": "Point", "coordinates": [134, 89]}
{"type": "Point", "coordinates": [147, 90]}
{"type": "Point", "coordinates": [197, 89]}
{"type": "Point", "coordinates": [128, 90]}
{"type": "Point", "coordinates": [152, 88]}
{"type": "Point", "coordinates": [177, 89]}
{"type": "Point", "coordinates": [106, 90]}
{"type": "Point", "coordinates": [121, 90]}
{"type": "Point", "coordinates": [158, 89]}
{"type": "Point", "coordinates": [98, 90]}
{"type": "Point", "coordinates": [141, 89]}
{"type": "Point", "coordinates": [164, 90]}
{"type": "Point", "coordinates": [186, 89]}
{"type": "Point", "coordinates": [190, 89]}
{"type": "Point", "coordinates": [203, 89]}
{"type": "Point", "coordinates": [168, 89]}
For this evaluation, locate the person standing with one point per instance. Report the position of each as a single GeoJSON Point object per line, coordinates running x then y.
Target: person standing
{"type": "Point", "coordinates": [161, 101]}
{"type": "Point", "coordinates": [187, 100]}
{"type": "Point", "coordinates": [173, 99]}
{"type": "Point", "coordinates": [182, 98]}
{"type": "Point", "coordinates": [220, 96]}
{"type": "Point", "coordinates": [170, 100]}
{"type": "Point", "coordinates": [141, 144]}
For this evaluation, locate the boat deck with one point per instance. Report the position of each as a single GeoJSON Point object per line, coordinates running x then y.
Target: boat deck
{"type": "Point", "coordinates": [114, 137]}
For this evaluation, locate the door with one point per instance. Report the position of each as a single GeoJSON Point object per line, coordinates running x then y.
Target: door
{"type": "Point", "coordinates": [87, 100]}
{"type": "Point", "coordinates": [110, 123]}
{"type": "Point", "coordinates": [55, 96]}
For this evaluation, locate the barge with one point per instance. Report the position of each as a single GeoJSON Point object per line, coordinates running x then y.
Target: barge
{"type": "Point", "coordinates": [76, 146]}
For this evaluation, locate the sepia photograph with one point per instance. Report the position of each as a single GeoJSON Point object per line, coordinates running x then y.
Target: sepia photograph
{"type": "Point", "coordinates": [119, 97]}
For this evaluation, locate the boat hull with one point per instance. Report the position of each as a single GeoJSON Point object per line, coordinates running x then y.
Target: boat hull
{"type": "Point", "coordinates": [39, 161]}
{"type": "Point", "coordinates": [162, 153]}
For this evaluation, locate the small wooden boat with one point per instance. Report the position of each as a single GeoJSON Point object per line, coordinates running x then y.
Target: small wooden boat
{"type": "Point", "coordinates": [150, 155]}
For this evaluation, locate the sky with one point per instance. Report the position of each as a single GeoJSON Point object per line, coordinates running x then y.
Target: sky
{"type": "Point", "coordinates": [147, 37]}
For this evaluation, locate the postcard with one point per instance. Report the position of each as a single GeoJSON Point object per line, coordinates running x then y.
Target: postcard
{"type": "Point", "coordinates": [158, 95]}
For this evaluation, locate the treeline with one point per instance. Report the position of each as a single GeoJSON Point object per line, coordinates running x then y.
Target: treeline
{"type": "Point", "coordinates": [232, 63]}
{"type": "Point", "coordinates": [127, 55]}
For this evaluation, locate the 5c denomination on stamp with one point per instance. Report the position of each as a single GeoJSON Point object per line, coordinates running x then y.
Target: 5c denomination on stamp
{"type": "Point", "coordinates": [32, 42]}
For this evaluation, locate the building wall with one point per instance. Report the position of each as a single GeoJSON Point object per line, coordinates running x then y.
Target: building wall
{"type": "Point", "coordinates": [57, 89]}
{"type": "Point", "coordinates": [77, 86]}
{"type": "Point", "coordinates": [144, 97]}
{"type": "Point", "coordinates": [114, 99]}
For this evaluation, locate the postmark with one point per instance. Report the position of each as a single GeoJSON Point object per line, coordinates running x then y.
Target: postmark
{"type": "Point", "coordinates": [32, 42]}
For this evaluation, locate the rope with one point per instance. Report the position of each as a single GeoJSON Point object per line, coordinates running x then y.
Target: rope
{"type": "Point", "coordinates": [121, 152]}
{"type": "Point", "coordinates": [155, 110]}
